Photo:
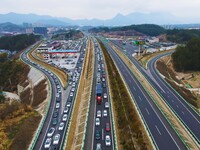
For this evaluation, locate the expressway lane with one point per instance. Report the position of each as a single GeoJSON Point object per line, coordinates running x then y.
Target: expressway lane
{"type": "Point", "coordinates": [178, 104]}
{"type": "Point", "coordinates": [92, 128]}
{"type": "Point", "coordinates": [162, 133]}
{"type": "Point", "coordinates": [65, 103]}
{"type": "Point", "coordinates": [184, 112]}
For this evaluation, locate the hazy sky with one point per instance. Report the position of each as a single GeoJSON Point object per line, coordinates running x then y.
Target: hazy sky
{"type": "Point", "coordinates": [101, 9]}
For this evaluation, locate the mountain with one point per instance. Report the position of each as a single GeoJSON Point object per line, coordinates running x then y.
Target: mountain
{"type": "Point", "coordinates": [9, 27]}
{"type": "Point", "coordinates": [119, 20]}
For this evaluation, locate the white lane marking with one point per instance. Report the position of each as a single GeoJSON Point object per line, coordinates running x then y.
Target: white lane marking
{"type": "Point", "coordinates": [172, 101]}
{"type": "Point", "coordinates": [183, 113]}
{"type": "Point", "coordinates": [134, 88]}
{"type": "Point", "coordinates": [158, 129]}
{"type": "Point", "coordinates": [102, 134]}
{"type": "Point", "coordinates": [147, 111]}
{"type": "Point", "coordinates": [177, 106]}
{"type": "Point", "coordinates": [140, 98]}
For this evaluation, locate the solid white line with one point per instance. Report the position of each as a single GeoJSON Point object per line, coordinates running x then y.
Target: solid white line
{"type": "Point", "coordinates": [158, 129]}
{"type": "Point", "coordinates": [177, 106]}
{"type": "Point", "coordinates": [183, 113]}
{"type": "Point", "coordinates": [147, 111]}
{"type": "Point", "coordinates": [102, 134]}
{"type": "Point", "coordinates": [140, 98]}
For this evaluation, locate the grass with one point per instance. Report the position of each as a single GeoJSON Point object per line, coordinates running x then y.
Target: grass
{"type": "Point", "coordinates": [17, 126]}
{"type": "Point", "coordinates": [60, 73]}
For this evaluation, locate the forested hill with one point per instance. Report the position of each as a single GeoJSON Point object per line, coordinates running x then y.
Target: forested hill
{"type": "Point", "coordinates": [18, 42]}
{"type": "Point", "coordinates": [148, 29]}
{"type": "Point", "coordinates": [187, 58]}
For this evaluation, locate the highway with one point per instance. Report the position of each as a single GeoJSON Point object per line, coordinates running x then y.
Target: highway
{"type": "Point", "coordinates": [92, 128]}
{"type": "Point", "coordinates": [162, 134]}
{"type": "Point", "coordinates": [65, 102]}
{"type": "Point", "coordinates": [185, 113]}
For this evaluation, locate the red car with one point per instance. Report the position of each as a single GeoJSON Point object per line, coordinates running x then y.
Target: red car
{"type": "Point", "coordinates": [107, 126]}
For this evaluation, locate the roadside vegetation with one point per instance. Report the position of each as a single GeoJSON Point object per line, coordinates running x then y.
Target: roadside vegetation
{"type": "Point", "coordinates": [17, 125]}
{"type": "Point", "coordinates": [187, 58]}
{"type": "Point", "coordinates": [129, 127]}
{"type": "Point", "coordinates": [67, 35]}
{"type": "Point", "coordinates": [18, 42]}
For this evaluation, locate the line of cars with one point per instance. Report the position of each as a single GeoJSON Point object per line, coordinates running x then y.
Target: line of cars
{"type": "Point", "coordinates": [57, 131]}
{"type": "Point", "coordinates": [102, 132]}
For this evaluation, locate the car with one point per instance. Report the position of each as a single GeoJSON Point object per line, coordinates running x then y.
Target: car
{"type": "Point", "coordinates": [58, 86]}
{"type": "Point", "coordinates": [73, 84]}
{"type": "Point", "coordinates": [107, 140]}
{"type": "Point", "coordinates": [98, 135]}
{"type": "Point", "coordinates": [55, 114]}
{"type": "Point", "coordinates": [97, 122]}
{"type": "Point", "coordinates": [70, 83]}
{"type": "Point", "coordinates": [105, 95]}
{"type": "Point", "coordinates": [59, 91]}
{"type": "Point", "coordinates": [105, 113]}
{"type": "Point", "coordinates": [47, 143]}
{"type": "Point", "coordinates": [57, 105]}
{"type": "Point", "coordinates": [61, 126]}
{"type": "Point", "coordinates": [64, 118]}
{"type": "Point", "coordinates": [68, 104]}
{"type": "Point", "coordinates": [57, 95]}
{"type": "Point", "coordinates": [104, 85]}
{"type": "Point", "coordinates": [51, 132]}
{"type": "Point", "coordinates": [71, 94]}
{"type": "Point", "coordinates": [73, 89]}
{"type": "Point", "coordinates": [98, 146]}
{"type": "Point", "coordinates": [103, 79]}
{"type": "Point", "coordinates": [106, 105]}
{"type": "Point", "coordinates": [99, 113]}
{"type": "Point", "coordinates": [56, 139]}
{"type": "Point", "coordinates": [66, 110]}
{"type": "Point", "coordinates": [107, 126]}
{"type": "Point", "coordinates": [54, 121]}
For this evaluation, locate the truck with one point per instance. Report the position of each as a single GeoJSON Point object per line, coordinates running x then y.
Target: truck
{"type": "Point", "coordinates": [99, 94]}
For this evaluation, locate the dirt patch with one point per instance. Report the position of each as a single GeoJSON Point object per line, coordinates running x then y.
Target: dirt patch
{"type": "Point", "coordinates": [180, 81]}
{"type": "Point", "coordinates": [40, 93]}
{"type": "Point", "coordinates": [26, 96]}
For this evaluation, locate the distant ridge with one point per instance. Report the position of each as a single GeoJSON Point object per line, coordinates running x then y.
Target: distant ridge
{"type": "Point", "coordinates": [119, 20]}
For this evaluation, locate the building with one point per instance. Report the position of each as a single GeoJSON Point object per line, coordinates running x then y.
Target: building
{"type": "Point", "coordinates": [152, 40]}
{"type": "Point", "coordinates": [40, 30]}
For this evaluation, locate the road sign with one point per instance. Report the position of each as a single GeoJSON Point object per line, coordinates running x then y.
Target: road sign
{"type": "Point", "coordinates": [139, 42]}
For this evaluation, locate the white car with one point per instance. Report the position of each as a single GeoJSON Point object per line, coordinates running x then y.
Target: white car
{"type": "Point", "coordinates": [71, 94]}
{"type": "Point", "coordinates": [61, 126]}
{"type": "Point", "coordinates": [105, 95]}
{"type": "Point", "coordinates": [64, 117]}
{"type": "Point", "coordinates": [73, 84]}
{"type": "Point", "coordinates": [59, 91]}
{"type": "Point", "coordinates": [107, 140]}
{"type": "Point", "coordinates": [66, 110]}
{"type": "Point", "coordinates": [106, 105]}
{"type": "Point", "coordinates": [47, 143]}
{"type": "Point", "coordinates": [105, 113]}
{"type": "Point", "coordinates": [57, 94]}
{"type": "Point", "coordinates": [97, 122]}
{"type": "Point", "coordinates": [99, 113]}
{"type": "Point", "coordinates": [51, 132]}
{"type": "Point", "coordinates": [58, 86]}
{"type": "Point", "coordinates": [56, 139]}
{"type": "Point", "coordinates": [73, 89]}
{"type": "Point", "coordinates": [57, 105]}
{"type": "Point", "coordinates": [68, 104]}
